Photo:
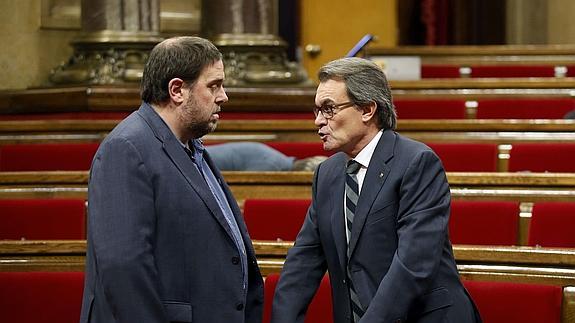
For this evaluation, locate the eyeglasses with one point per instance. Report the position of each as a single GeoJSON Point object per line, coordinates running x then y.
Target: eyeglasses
{"type": "Point", "coordinates": [328, 110]}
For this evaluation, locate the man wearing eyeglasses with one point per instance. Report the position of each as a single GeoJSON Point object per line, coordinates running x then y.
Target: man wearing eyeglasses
{"type": "Point", "coordinates": [378, 218]}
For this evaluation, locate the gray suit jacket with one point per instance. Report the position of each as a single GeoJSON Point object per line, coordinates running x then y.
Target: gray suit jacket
{"type": "Point", "coordinates": [402, 262]}
{"type": "Point", "coordinates": [159, 247]}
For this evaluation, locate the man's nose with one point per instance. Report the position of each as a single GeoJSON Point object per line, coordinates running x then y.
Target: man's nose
{"type": "Point", "coordinates": [222, 97]}
{"type": "Point", "coordinates": [320, 120]}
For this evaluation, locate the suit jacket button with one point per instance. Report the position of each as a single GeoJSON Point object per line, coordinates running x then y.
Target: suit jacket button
{"type": "Point", "coordinates": [344, 281]}
{"type": "Point", "coordinates": [235, 260]}
{"type": "Point", "coordinates": [239, 306]}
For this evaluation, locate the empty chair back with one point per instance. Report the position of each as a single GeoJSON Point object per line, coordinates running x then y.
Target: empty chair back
{"type": "Point", "coordinates": [320, 309]}
{"type": "Point", "coordinates": [430, 109]}
{"type": "Point", "coordinates": [504, 302]}
{"type": "Point", "coordinates": [542, 157]}
{"type": "Point", "coordinates": [551, 108]}
{"type": "Point", "coordinates": [43, 219]}
{"type": "Point", "coordinates": [513, 71]}
{"type": "Point", "coordinates": [467, 157]}
{"type": "Point", "coordinates": [47, 157]}
{"type": "Point", "coordinates": [275, 219]}
{"type": "Point", "coordinates": [552, 225]}
{"type": "Point", "coordinates": [440, 71]}
{"type": "Point", "coordinates": [41, 297]}
{"type": "Point", "coordinates": [484, 222]}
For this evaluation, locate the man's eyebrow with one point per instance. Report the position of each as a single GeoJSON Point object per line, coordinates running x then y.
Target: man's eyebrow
{"type": "Point", "coordinates": [216, 81]}
{"type": "Point", "coordinates": [327, 101]}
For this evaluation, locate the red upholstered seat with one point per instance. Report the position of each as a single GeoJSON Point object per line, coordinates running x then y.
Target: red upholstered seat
{"type": "Point", "coordinates": [503, 302]}
{"type": "Point", "coordinates": [513, 71]}
{"type": "Point", "coordinates": [552, 108]}
{"type": "Point", "coordinates": [275, 219]}
{"type": "Point", "coordinates": [542, 157]}
{"type": "Point", "coordinates": [37, 219]}
{"type": "Point", "coordinates": [41, 297]}
{"type": "Point", "coordinates": [440, 71]}
{"type": "Point", "coordinates": [47, 157]}
{"type": "Point", "coordinates": [484, 222]}
{"type": "Point", "coordinates": [430, 109]}
{"type": "Point", "coordinates": [300, 149]}
{"type": "Point", "coordinates": [552, 225]}
{"type": "Point", "coordinates": [467, 157]}
{"type": "Point", "coordinates": [319, 311]}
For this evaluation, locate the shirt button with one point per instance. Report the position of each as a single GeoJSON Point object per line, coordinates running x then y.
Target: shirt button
{"type": "Point", "coordinates": [235, 260]}
{"type": "Point", "coordinates": [239, 306]}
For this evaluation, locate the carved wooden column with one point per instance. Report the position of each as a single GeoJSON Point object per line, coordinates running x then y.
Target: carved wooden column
{"type": "Point", "coordinates": [117, 37]}
{"type": "Point", "coordinates": [245, 31]}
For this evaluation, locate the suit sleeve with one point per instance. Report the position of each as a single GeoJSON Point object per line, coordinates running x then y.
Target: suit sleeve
{"type": "Point", "coordinates": [423, 214]}
{"type": "Point", "coordinates": [303, 270]}
{"type": "Point", "coordinates": [122, 229]}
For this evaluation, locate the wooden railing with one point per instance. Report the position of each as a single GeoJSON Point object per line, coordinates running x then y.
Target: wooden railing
{"type": "Point", "coordinates": [519, 264]}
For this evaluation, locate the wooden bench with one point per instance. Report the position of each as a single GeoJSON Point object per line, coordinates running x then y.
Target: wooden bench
{"type": "Point", "coordinates": [524, 188]}
{"type": "Point", "coordinates": [511, 264]}
{"type": "Point", "coordinates": [105, 99]}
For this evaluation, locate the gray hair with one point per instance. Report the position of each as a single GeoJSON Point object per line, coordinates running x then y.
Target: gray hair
{"type": "Point", "coordinates": [178, 57]}
{"type": "Point", "coordinates": [365, 83]}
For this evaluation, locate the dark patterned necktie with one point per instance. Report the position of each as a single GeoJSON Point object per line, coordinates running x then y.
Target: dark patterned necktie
{"type": "Point", "coordinates": [351, 197]}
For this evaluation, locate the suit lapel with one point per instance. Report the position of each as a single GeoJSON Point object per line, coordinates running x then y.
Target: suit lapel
{"type": "Point", "coordinates": [336, 196]}
{"type": "Point", "coordinates": [377, 173]}
{"type": "Point", "coordinates": [173, 148]}
{"type": "Point", "coordinates": [233, 206]}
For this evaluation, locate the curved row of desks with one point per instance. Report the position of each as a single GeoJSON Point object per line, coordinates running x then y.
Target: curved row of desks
{"type": "Point", "coordinates": [482, 131]}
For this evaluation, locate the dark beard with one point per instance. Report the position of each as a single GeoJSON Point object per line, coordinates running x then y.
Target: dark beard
{"type": "Point", "coordinates": [198, 130]}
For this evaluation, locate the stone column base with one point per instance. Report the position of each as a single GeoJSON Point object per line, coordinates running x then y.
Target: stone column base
{"type": "Point", "coordinates": [106, 57]}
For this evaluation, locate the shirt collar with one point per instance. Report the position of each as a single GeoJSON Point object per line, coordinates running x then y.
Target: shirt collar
{"type": "Point", "coordinates": [366, 153]}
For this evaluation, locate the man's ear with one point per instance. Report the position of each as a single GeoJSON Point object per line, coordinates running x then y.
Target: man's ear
{"type": "Point", "coordinates": [368, 111]}
{"type": "Point", "coordinates": [175, 87]}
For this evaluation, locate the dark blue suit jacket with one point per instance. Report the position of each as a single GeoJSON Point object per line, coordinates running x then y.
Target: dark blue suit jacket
{"type": "Point", "coordinates": [159, 247]}
{"type": "Point", "coordinates": [401, 263]}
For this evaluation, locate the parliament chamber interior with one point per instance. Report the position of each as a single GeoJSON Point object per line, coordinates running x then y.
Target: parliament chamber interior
{"type": "Point", "coordinates": [498, 110]}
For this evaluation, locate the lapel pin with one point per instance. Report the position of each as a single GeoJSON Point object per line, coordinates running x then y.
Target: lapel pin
{"type": "Point", "coordinates": [380, 175]}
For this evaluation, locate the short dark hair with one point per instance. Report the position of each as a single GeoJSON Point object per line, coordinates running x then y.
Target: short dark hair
{"type": "Point", "coordinates": [365, 83]}
{"type": "Point", "coordinates": [178, 57]}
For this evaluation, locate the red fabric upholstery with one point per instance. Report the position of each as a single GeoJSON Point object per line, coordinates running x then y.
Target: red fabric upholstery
{"type": "Point", "coordinates": [32, 219]}
{"type": "Point", "coordinates": [319, 311]}
{"type": "Point", "coordinates": [552, 225]}
{"type": "Point", "coordinates": [471, 157]}
{"type": "Point", "coordinates": [503, 302]}
{"type": "Point", "coordinates": [552, 108]}
{"type": "Point", "coordinates": [300, 149]}
{"type": "Point", "coordinates": [513, 71]}
{"type": "Point", "coordinates": [47, 157]}
{"type": "Point", "coordinates": [275, 219]}
{"type": "Point", "coordinates": [439, 71]}
{"type": "Point", "coordinates": [430, 109]}
{"type": "Point", "coordinates": [484, 222]}
{"type": "Point", "coordinates": [542, 157]}
{"type": "Point", "coordinates": [41, 297]}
